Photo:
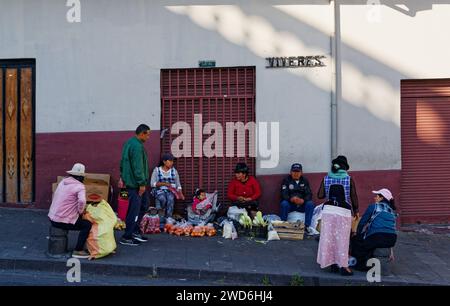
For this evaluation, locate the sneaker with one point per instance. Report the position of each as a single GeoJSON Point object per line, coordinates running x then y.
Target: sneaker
{"type": "Point", "coordinates": [140, 238]}
{"type": "Point", "coordinates": [311, 231]}
{"type": "Point", "coordinates": [129, 242]}
{"type": "Point", "coordinates": [80, 254]}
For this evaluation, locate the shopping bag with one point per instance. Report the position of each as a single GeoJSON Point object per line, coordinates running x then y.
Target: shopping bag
{"type": "Point", "coordinates": [355, 222]}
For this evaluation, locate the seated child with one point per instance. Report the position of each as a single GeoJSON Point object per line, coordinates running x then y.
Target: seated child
{"type": "Point", "coordinates": [201, 204]}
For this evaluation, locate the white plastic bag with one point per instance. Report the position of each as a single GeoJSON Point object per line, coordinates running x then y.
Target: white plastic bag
{"type": "Point", "coordinates": [270, 218]}
{"type": "Point", "coordinates": [235, 212]}
{"type": "Point", "coordinates": [272, 235]}
{"type": "Point", "coordinates": [229, 231]}
{"type": "Point", "coordinates": [296, 216]}
{"type": "Point", "coordinates": [317, 215]}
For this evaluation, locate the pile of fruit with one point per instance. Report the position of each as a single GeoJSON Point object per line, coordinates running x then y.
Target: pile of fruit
{"type": "Point", "coordinates": [187, 229]}
{"type": "Point", "coordinates": [120, 225]}
{"type": "Point", "coordinates": [200, 231]}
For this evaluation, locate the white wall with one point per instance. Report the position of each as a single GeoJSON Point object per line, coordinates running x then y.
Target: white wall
{"type": "Point", "coordinates": [103, 74]}
{"type": "Point", "coordinates": [381, 46]}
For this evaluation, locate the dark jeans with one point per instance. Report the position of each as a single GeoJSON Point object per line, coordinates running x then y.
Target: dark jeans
{"type": "Point", "coordinates": [137, 207]}
{"type": "Point", "coordinates": [249, 206]}
{"type": "Point", "coordinates": [362, 249]}
{"type": "Point", "coordinates": [307, 208]}
{"type": "Point", "coordinates": [84, 226]}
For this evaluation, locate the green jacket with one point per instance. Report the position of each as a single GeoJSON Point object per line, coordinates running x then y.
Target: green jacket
{"type": "Point", "coordinates": [134, 164]}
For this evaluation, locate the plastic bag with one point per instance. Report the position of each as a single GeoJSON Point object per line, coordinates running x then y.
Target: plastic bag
{"type": "Point", "coordinates": [317, 215]}
{"type": "Point", "coordinates": [296, 216]}
{"type": "Point", "coordinates": [272, 235]}
{"type": "Point", "coordinates": [235, 212]}
{"type": "Point", "coordinates": [270, 218]}
{"type": "Point", "coordinates": [150, 224]}
{"type": "Point", "coordinates": [101, 241]}
{"type": "Point", "coordinates": [169, 226]}
{"type": "Point", "coordinates": [229, 231]}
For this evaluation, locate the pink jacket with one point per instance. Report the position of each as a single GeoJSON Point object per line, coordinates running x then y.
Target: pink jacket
{"type": "Point", "coordinates": [69, 201]}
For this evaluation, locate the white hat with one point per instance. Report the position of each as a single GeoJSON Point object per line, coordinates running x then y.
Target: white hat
{"type": "Point", "coordinates": [77, 169]}
{"type": "Point", "coordinates": [385, 193]}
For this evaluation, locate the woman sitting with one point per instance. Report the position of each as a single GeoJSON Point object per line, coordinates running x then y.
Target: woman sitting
{"type": "Point", "coordinates": [166, 185]}
{"type": "Point", "coordinates": [67, 208]}
{"type": "Point", "coordinates": [244, 190]}
{"type": "Point", "coordinates": [376, 229]}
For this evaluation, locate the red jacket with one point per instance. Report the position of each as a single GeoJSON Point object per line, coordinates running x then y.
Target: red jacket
{"type": "Point", "coordinates": [249, 189]}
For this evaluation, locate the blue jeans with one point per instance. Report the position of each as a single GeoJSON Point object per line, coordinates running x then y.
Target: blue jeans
{"type": "Point", "coordinates": [307, 208]}
{"type": "Point", "coordinates": [166, 200]}
{"type": "Point", "coordinates": [137, 208]}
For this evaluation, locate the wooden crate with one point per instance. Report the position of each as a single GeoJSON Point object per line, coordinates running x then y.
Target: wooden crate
{"type": "Point", "coordinates": [289, 231]}
{"type": "Point", "coordinates": [290, 236]}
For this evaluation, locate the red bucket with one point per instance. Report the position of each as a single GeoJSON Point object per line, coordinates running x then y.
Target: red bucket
{"type": "Point", "coordinates": [122, 208]}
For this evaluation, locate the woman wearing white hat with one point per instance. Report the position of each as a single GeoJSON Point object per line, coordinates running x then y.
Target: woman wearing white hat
{"type": "Point", "coordinates": [68, 204]}
{"type": "Point", "coordinates": [376, 229]}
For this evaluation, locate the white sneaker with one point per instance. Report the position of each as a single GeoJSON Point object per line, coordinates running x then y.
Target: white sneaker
{"type": "Point", "coordinates": [312, 231]}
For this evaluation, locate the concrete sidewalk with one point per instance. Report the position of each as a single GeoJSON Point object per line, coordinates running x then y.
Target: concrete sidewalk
{"type": "Point", "coordinates": [421, 258]}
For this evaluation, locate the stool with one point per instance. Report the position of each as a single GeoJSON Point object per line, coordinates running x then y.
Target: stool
{"type": "Point", "coordinates": [384, 255]}
{"type": "Point", "coordinates": [57, 242]}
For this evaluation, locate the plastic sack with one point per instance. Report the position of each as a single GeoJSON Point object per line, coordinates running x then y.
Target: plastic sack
{"type": "Point", "coordinates": [272, 235]}
{"type": "Point", "coordinates": [317, 215]}
{"type": "Point", "coordinates": [270, 218]}
{"type": "Point", "coordinates": [296, 216]}
{"type": "Point", "coordinates": [150, 224]}
{"type": "Point", "coordinates": [235, 212]}
{"type": "Point", "coordinates": [101, 241]}
{"type": "Point", "coordinates": [229, 231]}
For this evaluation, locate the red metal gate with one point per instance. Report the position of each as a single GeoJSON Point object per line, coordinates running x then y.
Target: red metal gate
{"type": "Point", "coordinates": [425, 129]}
{"type": "Point", "coordinates": [219, 95]}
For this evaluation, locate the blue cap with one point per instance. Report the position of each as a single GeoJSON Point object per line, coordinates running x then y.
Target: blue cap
{"type": "Point", "coordinates": [296, 167]}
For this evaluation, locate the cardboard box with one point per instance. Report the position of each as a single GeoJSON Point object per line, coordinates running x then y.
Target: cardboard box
{"type": "Point", "coordinates": [97, 186]}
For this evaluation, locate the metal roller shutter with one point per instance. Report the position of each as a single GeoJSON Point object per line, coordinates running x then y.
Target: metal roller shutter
{"type": "Point", "coordinates": [220, 95]}
{"type": "Point", "coordinates": [425, 136]}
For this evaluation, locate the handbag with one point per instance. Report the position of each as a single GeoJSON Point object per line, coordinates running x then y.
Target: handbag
{"type": "Point", "coordinates": [355, 222]}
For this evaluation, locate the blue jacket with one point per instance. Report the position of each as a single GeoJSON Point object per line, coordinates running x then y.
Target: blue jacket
{"type": "Point", "coordinates": [384, 222]}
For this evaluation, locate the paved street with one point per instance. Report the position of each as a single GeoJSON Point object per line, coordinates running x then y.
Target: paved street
{"type": "Point", "coordinates": [43, 278]}
{"type": "Point", "coordinates": [421, 258]}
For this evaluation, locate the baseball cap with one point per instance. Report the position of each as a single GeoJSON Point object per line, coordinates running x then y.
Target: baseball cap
{"type": "Point", "coordinates": [385, 193]}
{"type": "Point", "coordinates": [296, 167]}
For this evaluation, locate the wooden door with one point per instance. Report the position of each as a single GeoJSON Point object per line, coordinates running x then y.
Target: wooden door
{"type": "Point", "coordinates": [17, 121]}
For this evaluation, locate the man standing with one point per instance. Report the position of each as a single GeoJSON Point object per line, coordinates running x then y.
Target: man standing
{"type": "Point", "coordinates": [296, 196]}
{"type": "Point", "coordinates": [135, 175]}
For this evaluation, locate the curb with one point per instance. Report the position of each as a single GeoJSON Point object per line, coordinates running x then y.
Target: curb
{"type": "Point", "coordinates": [59, 265]}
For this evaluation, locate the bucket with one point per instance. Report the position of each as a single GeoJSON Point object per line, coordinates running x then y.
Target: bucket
{"type": "Point", "coordinates": [122, 208]}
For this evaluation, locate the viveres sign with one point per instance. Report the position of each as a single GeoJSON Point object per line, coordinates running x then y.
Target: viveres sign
{"type": "Point", "coordinates": [296, 61]}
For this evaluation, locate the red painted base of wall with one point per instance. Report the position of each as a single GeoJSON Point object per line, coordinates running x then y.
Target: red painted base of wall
{"type": "Point", "coordinates": [100, 152]}
{"type": "Point", "coordinates": [365, 182]}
